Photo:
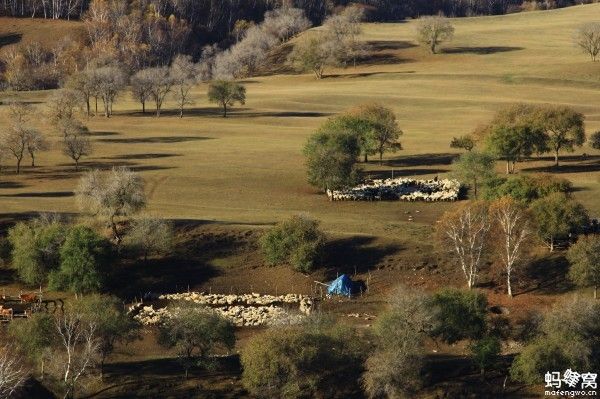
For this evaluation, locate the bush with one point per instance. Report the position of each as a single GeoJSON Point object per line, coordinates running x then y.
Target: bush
{"type": "Point", "coordinates": [462, 315]}
{"type": "Point", "coordinates": [485, 352]}
{"type": "Point", "coordinates": [297, 241]}
{"type": "Point", "coordinates": [302, 361]}
{"type": "Point", "coordinates": [584, 257]}
{"type": "Point", "coordinates": [594, 140]}
{"type": "Point", "coordinates": [149, 236]}
{"type": "Point", "coordinates": [35, 249]}
{"type": "Point", "coordinates": [526, 188]}
{"type": "Point", "coordinates": [83, 261]}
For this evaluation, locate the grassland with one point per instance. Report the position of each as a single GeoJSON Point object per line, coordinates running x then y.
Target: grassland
{"type": "Point", "coordinates": [233, 175]}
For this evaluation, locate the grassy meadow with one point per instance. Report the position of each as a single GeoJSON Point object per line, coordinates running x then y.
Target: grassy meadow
{"type": "Point", "coordinates": [248, 168]}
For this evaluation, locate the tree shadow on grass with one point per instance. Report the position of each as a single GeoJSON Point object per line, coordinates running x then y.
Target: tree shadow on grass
{"type": "Point", "coordinates": [104, 134]}
{"type": "Point", "coordinates": [568, 164]}
{"type": "Point", "coordinates": [356, 254]}
{"type": "Point", "coordinates": [44, 194]}
{"type": "Point", "coordinates": [155, 140]}
{"type": "Point", "coordinates": [481, 50]}
{"type": "Point", "coordinates": [545, 275]}
{"type": "Point", "coordinates": [11, 184]}
{"type": "Point", "coordinates": [422, 160]}
{"type": "Point", "coordinates": [383, 45]}
{"type": "Point", "coordinates": [142, 156]}
{"type": "Point", "coordinates": [10, 38]}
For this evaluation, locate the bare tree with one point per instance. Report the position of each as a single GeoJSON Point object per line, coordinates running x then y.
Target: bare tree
{"type": "Point", "coordinates": [587, 37]}
{"type": "Point", "coordinates": [183, 74]}
{"type": "Point", "coordinates": [314, 53]}
{"type": "Point", "coordinates": [12, 372]}
{"type": "Point", "coordinates": [78, 349]}
{"type": "Point", "coordinates": [14, 141]}
{"type": "Point", "coordinates": [465, 232]}
{"type": "Point", "coordinates": [111, 80]}
{"type": "Point", "coordinates": [62, 105]}
{"type": "Point", "coordinates": [343, 29]}
{"type": "Point", "coordinates": [76, 146]}
{"type": "Point", "coordinates": [434, 30]}
{"type": "Point", "coordinates": [141, 86]}
{"type": "Point", "coordinates": [161, 85]}
{"type": "Point", "coordinates": [150, 236]}
{"type": "Point", "coordinates": [36, 142]}
{"type": "Point", "coordinates": [513, 224]}
{"type": "Point", "coordinates": [226, 94]}
{"type": "Point", "coordinates": [119, 193]}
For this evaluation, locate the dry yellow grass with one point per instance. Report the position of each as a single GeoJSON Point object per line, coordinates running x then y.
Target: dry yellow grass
{"type": "Point", "coordinates": [248, 168]}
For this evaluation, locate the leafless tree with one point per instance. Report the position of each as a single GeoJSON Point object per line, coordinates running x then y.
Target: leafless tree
{"type": "Point", "coordinates": [63, 105]}
{"type": "Point", "coordinates": [513, 224]}
{"type": "Point", "coordinates": [78, 349]}
{"type": "Point", "coordinates": [111, 80]}
{"type": "Point", "coordinates": [12, 371]}
{"type": "Point", "coordinates": [118, 193]}
{"type": "Point", "coordinates": [76, 145]}
{"type": "Point", "coordinates": [141, 86]}
{"type": "Point", "coordinates": [161, 85]}
{"type": "Point", "coordinates": [150, 236]}
{"type": "Point", "coordinates": [433, 30]}
{"type": "Point", "coordinates": [343, 30]}
{"type": "Point", "coordinates": [183, 74]}
{"type": "Point", "coordinates": [36, 142]}
{"type": "Point", "coordinates": [14, 141]}
{"type": "Point", "coordinates": [465, 233]}
{"type": "Point", "coordinates": [587, 37]}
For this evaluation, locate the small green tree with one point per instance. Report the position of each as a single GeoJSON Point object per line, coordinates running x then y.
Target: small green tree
{"type": "Point", "coordinates": [150, 236]}
{"type": "Point", "coordinates": [352, 123]}
{"type": "Point", "coordinates": [594, 140]}
{"type": "Point", "coordinates": [195, 332]}
{"type": "Point", "coordinates": [226, 94]}
{"type": "Point", "coordinates": [35, 249]}
{"type": "Point", "coordinates": [111, 322]}
{"type": "Point", "coordinates": [485, 353]}
{"type": "Point", "coordinates": [35, 336]}
{"type": "Point", "coordinates": [302, 361]}
{"type": "Point", "coordinates": [564, 128]}
{"type": "Point", "coordinates": [526, 188]}
{"type": "Point", "coordinates": [465, 142]}
{"type": "Point", "coordinates": [584, 257]}
{"type": "Point", "coordinates": [331, 160]}
{"type": "Point", "coordinates": [314, 53]}
{"type": "Point", "coordinates": [383, 132]}
{"type": "Point", "coordinates": [557, 217]}
{"type": "Point", "coordinates": [474, 168]}
{"type": "Point", "coordinates": [461, 315]}
{"type": "Point", "coordinates": [297, 241]}
{"type": "Point", "coordinates": [83, 261]}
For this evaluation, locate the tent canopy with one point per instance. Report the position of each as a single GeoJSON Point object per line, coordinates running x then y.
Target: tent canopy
{"type": "Point", "coordinates": [340, 286]}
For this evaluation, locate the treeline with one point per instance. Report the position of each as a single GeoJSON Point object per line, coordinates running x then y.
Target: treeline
{"type": "Point", "coordinates": [215, 20]}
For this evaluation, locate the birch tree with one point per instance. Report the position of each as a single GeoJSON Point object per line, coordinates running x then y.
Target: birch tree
{"type": "Point", "coordinates": [513, 224]}
{"type": "Point", "coordinates": [12, 371]}
{"type": "Point", "coordinates": [183, 74]}
{"type": "Point", "coordinates": [465, 232]}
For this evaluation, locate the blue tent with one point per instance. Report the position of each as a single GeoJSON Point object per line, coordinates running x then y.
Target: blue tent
{"type": "Point", "coordinates": [340, 286]}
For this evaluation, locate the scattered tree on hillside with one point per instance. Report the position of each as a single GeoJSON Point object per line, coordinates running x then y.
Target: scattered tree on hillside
{"type": "Point", "coordinates": [434, 30]}
{"type": "Point", "coordinates": [594, 140]}
{"type": "Point", "coordinates": [331, 160]}
{"type": "Point", "coordinates": [394, 368]}
{"type": "Point", "coordinates": [183, 73]}
{"type": "Point", "coordinates": [85, 83]}
{"type": "Point", "coordinates": [195, 332]}
{"type": "Point", "coordinates": [564, 128]}
{"type": "Point", "coordinates": [83, 262]}
{"type": "Point", "coordinates": [464, 233]}
{"type": "Point", "coordinates": [297, 241]}
{"type": "Point", "coordinates": [14, 141]}
{"type": "Point", "coordinates": [312, 360]}
{"type": "Point", "coordinates": [141, 86]}
{"type": "Point", "coordinates": [465, 142]}
{"type": "Point", "coordinates": [36, 249]}
{"type": "Point", "coordinates": [485, 352]}
{"type": "Point", "coordinates": [587, 37]}
{"type": "Point", "coordinates": [557, 217]}
{"type": "Point", "coordinates": [226, 94]}
{"type": "Point", "coordinates": [351, 122]}
{"type": "Point", "coordinates": [384, 131]}
{"type": "Point", "coordinates": [514, 133]}
{"type": "Point", "coordinates": [584, 257]}
{"type": "Point", "coordinates": [568, 338]}
{"type": "Point", "coordinates": [36, 143]}
{"type": "Point", "coordinates": [62, 105]}
{"type": "Point", "coordinates": [460, 315]}
{"type": "Point", "coordinates": [314, 53]}
{"type": "Point", "coordinates": [111, 80]}
{"type": "Point", "coordinates": [161, 85]}
{"type": "Point", "coordinates": [118, 193]}
{"type": "Point", "coordinates": [12, 371]}
{"type": "Point", "coordinates": [76, 142]}
{"type": "Point", "coordinates": [514, 227]}
{"type": "Point", "coordinates": [343, 29]}
{"type": "Point", "coordinates": [474, 168]}
{"type": "Point", "coordinates": [35, 336]}
{"type": "Point", "coordinates": [150, 236]}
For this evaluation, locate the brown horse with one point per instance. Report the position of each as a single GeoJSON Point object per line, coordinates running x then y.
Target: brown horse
{"type": "Point", "coordinates": [28, 298]}
{"type": "Point", "coordinates": [6, 313]}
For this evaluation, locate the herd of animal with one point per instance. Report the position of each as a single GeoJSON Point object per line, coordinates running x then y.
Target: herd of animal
{"type": "Point", "coordinates": [400, 189]}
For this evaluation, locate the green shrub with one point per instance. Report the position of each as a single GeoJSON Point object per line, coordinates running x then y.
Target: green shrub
{"type": "Point", "coordinates": [526, 188]}
{"type": "Point", "coordinates": [35, 249]}
{"type": "Point", "coordinates": [462, 315]}
{"type": "Point", "coordinates": [83, 261]}
{"type": "Point", "coordinates": [297, 241]}
{"type": "Point", "coordinates": [302, 362]}
{"type": "Point", "coordinates": [485, 352]}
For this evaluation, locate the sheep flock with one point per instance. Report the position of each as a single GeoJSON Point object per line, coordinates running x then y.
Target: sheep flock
{"type": "Point", "coordinates": [400, 189]}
